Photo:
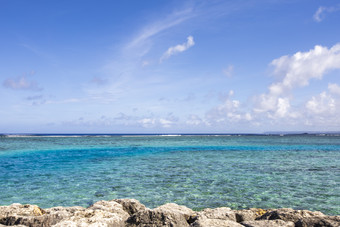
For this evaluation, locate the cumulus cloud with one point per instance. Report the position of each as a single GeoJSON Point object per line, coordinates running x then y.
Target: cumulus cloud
{"type": "Point", "coordinates": [147, 122]}
{"type": "Point", "coordinates": [323, 103]}
{"type": "Point", "coordinates": [178, 48]}
{"type": "Point", "coordinates": [296, 71]}
{"type": "Point", "coordinates": [21, 83]}
{"type": "Point", "coordinates": [228, 111]}
{"type": "Point", "coordinates": [318, 15]}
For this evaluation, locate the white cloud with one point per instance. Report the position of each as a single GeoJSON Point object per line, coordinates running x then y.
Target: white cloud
{"type": "Point", "coordinates": [165, 123]}
{"type": "Point", "coordinates": [178, 48]}
{"type": "Point", "coordinates": [194, 120]}
{"type": "Point", "coordinates": [21, 83]}
{"type": "Point", "coordinates": [334, 89]}
{"type": "Point", "coordinates": [318, 15]}
{"type": "Point", "coordinates": [153, 29]}
{"type": "Point", "coordinates": [228, 112]}
{"type": "Point", "coordinates": [147, 122]}
{"type": "Point", "coordinates": [321, 104]}
{"type": "Point", "coordinates": [296, 71]}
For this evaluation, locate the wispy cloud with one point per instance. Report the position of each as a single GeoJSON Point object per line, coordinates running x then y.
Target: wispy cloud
{"type": "Point", "coordinates": [228, 71]}
{"type": "Point", "coordinates": [21, 83]}
{"type": "Point", "coordinates": [153, 29]}
{"type": "Point", "coordinates": [99, 81]}
{"type": "Point", "coordinates": [178, 48]}
{"type": "Point", "coordinates": [319, 14]}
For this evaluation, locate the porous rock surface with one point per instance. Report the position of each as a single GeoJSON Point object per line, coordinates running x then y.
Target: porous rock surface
{"type": "Point", "coordinates": [131, 213]}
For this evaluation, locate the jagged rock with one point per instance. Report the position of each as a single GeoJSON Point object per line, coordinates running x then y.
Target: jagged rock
{"type": "Point", "coordinates": [96, 217]}
{"type": "Point", "coordinates": [288, 214]}
{"type": "Point", "coordinates": [130, 205]}
{"type": "Point", "coordinates": [208, 222]}
{"type": "Point", "coordinates": [186, 212]}
{"type": "Point", "coordinates": [109, 206]}
{"type": "Point", "coordinates": [28, 215]}
{"type": "Point", "coordinates": [327, 221]}
{"type": "Point", "coordinates": [101, 213]}
{"type": "Point", "coordinates": [131, 213]}
{"type": "Point", "coordinates": [169, 214]}
{"type": "Point", "coordinates": [223, 213]}
{"type": "Point", "coordinates": [222, 216]}
{"type": "Point", "coordinates": [268, 223]}
{"type": "Point", "coordinates": [248, 215]}
{"type": "Point", "coordinates": [1, 225]}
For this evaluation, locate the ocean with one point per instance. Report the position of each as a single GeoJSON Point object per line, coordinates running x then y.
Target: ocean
{"type": "Point", "coordinates": [198, 171]}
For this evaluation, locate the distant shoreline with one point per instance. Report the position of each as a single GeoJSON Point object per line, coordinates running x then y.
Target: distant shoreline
{"type": "Point", "coordinates": [166, 134]}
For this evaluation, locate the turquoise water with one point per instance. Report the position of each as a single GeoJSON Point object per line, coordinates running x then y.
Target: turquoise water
{"type": "Point", "coordinates": [297, 171]}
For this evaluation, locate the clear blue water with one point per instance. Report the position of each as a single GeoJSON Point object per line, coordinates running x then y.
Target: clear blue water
{"type": "Point", "coordinates": [300, 171]}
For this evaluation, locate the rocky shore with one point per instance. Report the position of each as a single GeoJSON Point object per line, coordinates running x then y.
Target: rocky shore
{"type": "Point", "coordinates": [131, 213]}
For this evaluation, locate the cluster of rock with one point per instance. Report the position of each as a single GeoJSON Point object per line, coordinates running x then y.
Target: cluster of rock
{"type": "Point", "coordinates": [131, 213]}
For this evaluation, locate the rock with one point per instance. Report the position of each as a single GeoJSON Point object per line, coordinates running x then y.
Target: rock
{"type": "Point", "coordinates": [111, 207]}
{"type": "Point", "coordinates": [130, 205]}
{"type": "Point", "coordinates": [96, 217]}
{"type": "Point", "coordinates": [268, 223]}
{"type": "Point", "coordinates": [207, 222]}
{"type": "Point", "coordinates": [131, 213]}
{"type": "Point", "coordinates": [288, 214]}
{"type": "Point", "coordinates": [223, 213]}
{"type": "Point", "coordinates": [249, 215]}
{"type": "Point", "coordinates": [327, 221]}
{"type": "Point", "coordinates": [57, 214]}
{"type": "Point", "coordinates": [101, 213]}
{"type": "Point", "coordinates": [18, 214]}
{"type": "Point", "coordinates": [169, 214]}
{"type": "Point", "coordinates": [222, 216]}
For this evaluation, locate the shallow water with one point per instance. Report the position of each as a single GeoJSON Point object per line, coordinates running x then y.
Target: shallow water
{"type": "Point", "coordinates": [297, 171]}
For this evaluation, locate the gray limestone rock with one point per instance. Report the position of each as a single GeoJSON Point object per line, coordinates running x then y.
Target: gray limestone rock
{"type": "Point", "coordinates": [28, 215]}
{"type": "Point", "coordinates": [101, 213]}
{"type": "Point", "coordinates": [131, 213]}
{"type": "Point", "coordinates": [249, 214]}
{"type": "Point", "coordinates": [209, 222]}
{"type": "Point", "coordinates": [130, 205]}
{"type": "Point", "coordinates": [327, 221]}
{"type": "Point", "coordinates": [169, 214]}
{"type": "Point", "coordinates": [268, 223]}
{"type": "Point", "coordinates": [288, 214]}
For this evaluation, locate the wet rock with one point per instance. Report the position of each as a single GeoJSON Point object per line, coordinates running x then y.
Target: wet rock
{"type": "Point", "coordinates": [268, 223]}
{"type": "Point", "coordinates": [288, 214]}
{"type": "Point", "coordinates": [327, 221]}
{"type": "Point", "coordinates": [130, 205]}
{"type": "Point", "coordinates": [167, 215]}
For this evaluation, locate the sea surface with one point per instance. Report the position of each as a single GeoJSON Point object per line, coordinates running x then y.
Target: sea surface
{"type": "Point", "coordinates": [198, 171]}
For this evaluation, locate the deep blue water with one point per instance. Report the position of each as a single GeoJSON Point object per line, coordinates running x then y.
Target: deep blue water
{"type": "Point", "coordinates": [297, 171]}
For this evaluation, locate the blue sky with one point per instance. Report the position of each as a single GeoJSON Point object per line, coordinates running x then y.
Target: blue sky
{"type": "Point", "coordinates": [169, 66]}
